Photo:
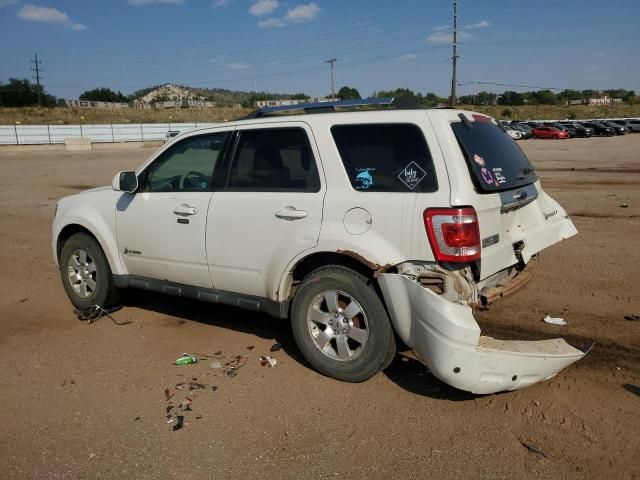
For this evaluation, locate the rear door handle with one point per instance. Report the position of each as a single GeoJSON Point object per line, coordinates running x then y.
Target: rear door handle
{"type": "Point", "coordinates": [290, 213]}
{"type": "Point", "coordinates": [185, 210]}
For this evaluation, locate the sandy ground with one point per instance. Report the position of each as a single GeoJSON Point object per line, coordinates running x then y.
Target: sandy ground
{"type": "Point", "coordinates": [88, 401]}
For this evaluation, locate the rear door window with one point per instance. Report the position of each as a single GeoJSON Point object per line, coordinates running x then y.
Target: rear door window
{"type": "Point", "coordinates": [495, 161]}
{"type": "Point", "coordinates": [386, 157]}
{"type": "Point", "coordinates": [274, 159]}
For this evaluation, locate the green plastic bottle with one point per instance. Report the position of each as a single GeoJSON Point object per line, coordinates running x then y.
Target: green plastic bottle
{"type": "Point", "coordinates": [186, 359]}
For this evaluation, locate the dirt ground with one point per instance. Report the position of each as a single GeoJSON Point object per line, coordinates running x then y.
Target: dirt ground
{"type": "Point", "coordinates": [88, 401]}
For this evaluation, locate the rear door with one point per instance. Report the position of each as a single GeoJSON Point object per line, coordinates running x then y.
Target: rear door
{"type": "Point", "coordinates": [270, 210]}
{"type": "Point", "coordinates": [490, 172]}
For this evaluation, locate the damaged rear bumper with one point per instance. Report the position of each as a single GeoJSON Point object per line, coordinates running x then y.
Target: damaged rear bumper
{"type": "Point", "coordinates": [448, 339]}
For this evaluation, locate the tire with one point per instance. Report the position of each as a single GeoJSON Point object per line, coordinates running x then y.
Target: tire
{"type": "Point", "coordinates": [356, 345]}
{"type": "Point", "coordinates": [555, 137]}
{"type": "Point", "coordinates": [85, 272]}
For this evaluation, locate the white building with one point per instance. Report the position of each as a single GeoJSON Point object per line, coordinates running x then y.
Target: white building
{"type": "Point", "coordinates": [92, 104]}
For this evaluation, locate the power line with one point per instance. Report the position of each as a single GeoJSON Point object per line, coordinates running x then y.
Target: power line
{"type": "Point", "coordinates": [514, 85]}
{"type": "Point", "coordinates": [37, 63]}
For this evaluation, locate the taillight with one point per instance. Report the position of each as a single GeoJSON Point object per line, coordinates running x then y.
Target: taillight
{"type": "Point", "coordinates": [454, 234]}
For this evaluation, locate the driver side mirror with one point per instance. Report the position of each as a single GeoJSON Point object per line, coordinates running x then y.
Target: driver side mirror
{"type": "Point", "coordinates": [126, 181]}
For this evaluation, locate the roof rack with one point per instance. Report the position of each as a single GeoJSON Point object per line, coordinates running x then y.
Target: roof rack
{"type": "Point", "coordinates": [320, 107]}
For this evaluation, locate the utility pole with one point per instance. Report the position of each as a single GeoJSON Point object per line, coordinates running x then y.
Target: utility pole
{"type": "Point", "coordinates": [37, 63]}
{"type": "Point", "coordinates": [454, 57]}
{"type": "Point", "coordinates": [333, 82]}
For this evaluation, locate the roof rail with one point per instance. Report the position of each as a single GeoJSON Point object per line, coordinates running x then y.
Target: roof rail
{"type": "Point", "coordinates": [319, 107]}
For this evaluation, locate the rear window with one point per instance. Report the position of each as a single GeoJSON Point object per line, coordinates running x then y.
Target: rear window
{"type": "Point", "coordinates": [386, 157]}
{"type": "Point", "coordinates": [495, 161]}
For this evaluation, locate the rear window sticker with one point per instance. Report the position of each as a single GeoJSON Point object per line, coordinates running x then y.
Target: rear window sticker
{"type": "Point", "coordinates": [497, 173]}
{"type": "Point", "coordinates": [487, 176]}
{"type": "Point", "coordinates": [412, 175]}
{"type": "Point", "coordinates": [364, 179]}
{"type": "Point", "coordinates": [478, 159]}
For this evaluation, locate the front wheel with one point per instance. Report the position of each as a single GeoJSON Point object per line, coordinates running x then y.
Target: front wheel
{"type": "Point", "coordinates": [341, 326]}
{"type": "Point", "coordinates": [86, 275]}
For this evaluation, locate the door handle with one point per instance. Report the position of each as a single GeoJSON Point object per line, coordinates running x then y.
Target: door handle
{"type": "Point", "coordinates": [185, 210]}
{"type": "Point", "coordinates": [290, 213]}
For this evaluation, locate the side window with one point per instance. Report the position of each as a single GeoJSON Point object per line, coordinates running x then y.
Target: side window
{"type": "Point", "coordinates": [187, 166]}
{"type": "Point", "coordinates": [386, 157]}
{"type": "Point", "coordinates": [274, 159]}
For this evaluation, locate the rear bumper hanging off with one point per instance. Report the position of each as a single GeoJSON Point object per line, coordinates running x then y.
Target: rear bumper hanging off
{"type": "Point", "coordinates": [448, 339]}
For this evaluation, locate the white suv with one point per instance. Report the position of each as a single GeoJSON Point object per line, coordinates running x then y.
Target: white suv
{"type": "Point", "coordinates": [363, 227]}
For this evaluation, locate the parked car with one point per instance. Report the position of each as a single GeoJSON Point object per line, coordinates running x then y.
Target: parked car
{"type": "Point", "coordinates": [632, 125]}
{"type": "Point", "coordinates": [618, 129]}
{"type": "Point", "coordinates": [571, 131]}
{"type": "Point", "coordinates": [579, 130]}
{"type": "Point", "coordinates": [549, 132]}
{"type": "Point", "coordinates": [599, 129]}
{"type": "Point", "coordinates": [356, 225]}
{"type": "Point", "coordinates": [513, 133]}
{"type": "Point", "coordinates": [527, 131]}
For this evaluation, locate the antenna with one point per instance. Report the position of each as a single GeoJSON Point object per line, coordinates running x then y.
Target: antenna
{"type": "Point", "coordinates": [331, 61]}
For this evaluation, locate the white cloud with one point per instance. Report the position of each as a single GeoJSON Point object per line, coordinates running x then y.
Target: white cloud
{"type": "Point", "coordinates": [221, 3]}
{"type": "Point", "coordinates": [445, 38]}
{"type": "Point", "coordinates": [601, 55]}
{"type": "Point", "coordinates": [440, 28]}
{"type": "Point", "coordinates": [33, 13]}
{"type": "Point", "coordinates": [302, 13]}
{"type": "Point", "coordinates": [480, 24]}
{"type": "Point", "coordinates": [142, 3]}
{"type": "Point", "coordinates": [407, 57]}
{"type": "Point", "coordinates": [263, 7]}
{"type": "Point", "coordinates": [271, 23]}
{"type": "Point", "coordinates": [238, 66]}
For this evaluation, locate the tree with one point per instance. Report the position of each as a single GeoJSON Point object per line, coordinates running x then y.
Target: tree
{"type": "Point", "coordinates": [511, 98]}
{"type": "Point", "coordinates": [22, 93]}
{"type": "Point", "coordinates": [103, 94]}
{"type": "Point", "coordinates": [348, 93]}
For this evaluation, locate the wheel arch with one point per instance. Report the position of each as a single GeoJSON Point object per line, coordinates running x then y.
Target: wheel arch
{"type": "Point", "coordinates": [314, 260]}
{"type": "Point", "coordinates": [108, 245]}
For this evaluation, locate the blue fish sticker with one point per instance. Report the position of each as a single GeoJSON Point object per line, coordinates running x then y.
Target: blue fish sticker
{"type": "Point", "coordinates": [364, 179]}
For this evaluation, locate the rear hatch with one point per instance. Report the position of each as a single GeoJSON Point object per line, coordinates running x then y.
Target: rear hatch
{"type": "Point", "coordinates": [491, 173]}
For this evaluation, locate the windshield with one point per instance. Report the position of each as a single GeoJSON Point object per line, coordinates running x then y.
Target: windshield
{"type": "Point", "coordinates": [495, 161]}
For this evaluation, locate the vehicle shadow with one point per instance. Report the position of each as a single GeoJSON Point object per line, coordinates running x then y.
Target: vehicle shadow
{"type": "Point", "coordinates": [254, 323]}
{"type": "Point", "coordinates": [406, 372]}
{"type": "Point", "coordinates": [413, 376]}
{"type": "Point", "coordinates": [635, 389]}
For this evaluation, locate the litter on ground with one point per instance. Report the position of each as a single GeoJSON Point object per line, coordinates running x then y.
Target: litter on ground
{"type": "Point", "coordinates": [555, 320]}
{"type": "Point", "coordinates": [268, 361]}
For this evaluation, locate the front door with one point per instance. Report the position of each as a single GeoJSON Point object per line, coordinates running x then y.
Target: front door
{"type": "Point", "coordinates": [161, 228]}
{"type": "Point", "coordinates": [270, 210]}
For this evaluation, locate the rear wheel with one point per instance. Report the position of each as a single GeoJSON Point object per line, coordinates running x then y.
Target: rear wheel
{"type": "Point", "coordinates": [86, 275]}
{"type": "Point", "coordinates": [341, 325]}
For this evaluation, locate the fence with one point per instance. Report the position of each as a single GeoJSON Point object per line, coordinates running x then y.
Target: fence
{"type": "Point", "coordinates": [124, 132]}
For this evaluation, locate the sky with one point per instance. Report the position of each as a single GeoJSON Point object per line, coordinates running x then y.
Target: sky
{"type": "Point", "coordinates": [281, 45]}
